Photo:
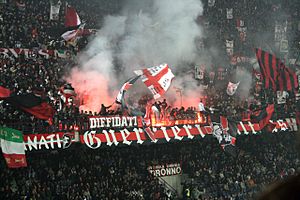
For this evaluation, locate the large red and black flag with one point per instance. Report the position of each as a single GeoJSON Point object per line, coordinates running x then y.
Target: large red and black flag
{"type": "Point", "coordinates": [269, 66]}
{"type": "Point", "coordinates": [263, 115]}
{"type": "Point", "coordinates": [28, 102]}
{"type": "Point", "coordinates": [287, 80]}
{"type": "Point", "coordinates": [275, 75]}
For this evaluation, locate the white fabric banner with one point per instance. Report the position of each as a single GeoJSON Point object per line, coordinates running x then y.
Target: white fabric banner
{"type": "Point", "coordinates": [229, 13]}
{"type": "Point", "coordinates": [199, 72]}
{"type": "Point", "coordinates": [284, 46]}
{"type": "Point", "coordinates": [229, 47]}
{"type": "Point", "coordinates": [231, 88]}
{"type": "Point", "coordinates": [282, 96]}
{"type": "Point", "coordinates": [211, 3]}
{"type": "Point", "coordinates": [54, 11]}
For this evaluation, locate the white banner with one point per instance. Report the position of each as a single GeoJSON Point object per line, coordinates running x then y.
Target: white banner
{"type": "Point", "coordinates": [231, 88]}
{"type": "Point", "coordinates": [110, 122]}
{"type": "Point", "coordinates": [203, 87]}
{"type": "Point", "coordinates": [229, 13]}
{"type": "Point", "coordinates": [211, 3]}
{"type": "Point", "coordinates": [33, 53]}
{"type": "Point", "coordinates": [165, 170]}
{"type": "Point", "coordinates": [199, 72]}
{"type": "Point", "coordinates": [243, 33]}
{"type": "Point", "coordinates": [54, 11]}
{"type": "Point", "coordinates": [284, 46]}
{"type": "Point", "coordinates": [49, 141]}
{"type": "Point", "coordinates": [280, 31]}
{"type": "Point", "coordinates": [282, 96]}
{"type": "Point", "coordinates": [229, 47]}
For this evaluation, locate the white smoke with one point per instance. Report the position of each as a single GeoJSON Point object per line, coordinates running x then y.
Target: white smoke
{"type": "Point", "coordinates": [245, 78]}
{"type": "Point", "coordinates": [166, 33]}
{"type": "Point", "coordinates": [144, 34]}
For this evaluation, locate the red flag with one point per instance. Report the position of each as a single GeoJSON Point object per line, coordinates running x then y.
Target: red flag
{"type": "Point", "coordinates": [287, 79]}
{"type": "Point", "coordinates": [269, 68]}
{"type": "Point", "coordinates": [30, 103]}
{"type": "Point", "coordinates": [298, 117]}
{"type": "Point", "coordinates": [71, 17]}
{"type": "Point", "coordinates": [73, 23]}
{"type": "Point", "coordinates": [275, 74]}
{"type": "Point", "coordinates": [4, 92]}
{"type": "Point", "coordinates": [42, 111]}
{"type": "Point", "coordinates": [263, 116]}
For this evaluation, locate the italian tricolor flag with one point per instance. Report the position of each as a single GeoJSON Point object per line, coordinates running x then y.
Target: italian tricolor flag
{"type": "Point", "coordinates": [12, 145]}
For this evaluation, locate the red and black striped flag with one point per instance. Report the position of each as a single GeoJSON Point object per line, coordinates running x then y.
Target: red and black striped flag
{"type": "Point", "coordinates": [28, 102]}
{"type": "Point", "coordinates": [275, 74]}
{"type": "Point", "coordinates": [269, 65]}
{"type": "Point", "coordinates": [263, 116]}
{"type": "Point", "coordinates": [287, 79]}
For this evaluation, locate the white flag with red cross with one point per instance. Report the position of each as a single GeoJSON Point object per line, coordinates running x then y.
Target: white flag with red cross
{"type": "Point", "coordinates": [158, 79]}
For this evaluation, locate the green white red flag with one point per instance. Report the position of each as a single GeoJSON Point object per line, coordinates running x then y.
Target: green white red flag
{"type": "Point", "coordinates": [12, 145]}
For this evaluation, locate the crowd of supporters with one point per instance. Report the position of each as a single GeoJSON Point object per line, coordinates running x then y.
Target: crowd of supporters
{"type": "Point", "coordinates": [86, 174]}
{"type": "Point", "coordinates": [20, 28]}
{"type": "Point", "coordinates": [249, 25]}
{"type": "Point", "coordinates": [262, 160]}
{"type": "Point", "coordinates": [121, 172]}
{"type": "Point", "coordinates": [27, 24]}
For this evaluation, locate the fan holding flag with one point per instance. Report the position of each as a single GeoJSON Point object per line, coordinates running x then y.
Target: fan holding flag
{"type": "Point", "coordinates": [158, 80]}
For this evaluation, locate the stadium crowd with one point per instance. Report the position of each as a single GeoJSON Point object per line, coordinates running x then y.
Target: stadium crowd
{"type": "Point", "coordinates": [22, 29]}
{"type": "Point", "coordinates": [121, 172]}
{"type": "Point", "coordinates": [86, 174]}
{"type": "Point", "coordinates": [262, 160]}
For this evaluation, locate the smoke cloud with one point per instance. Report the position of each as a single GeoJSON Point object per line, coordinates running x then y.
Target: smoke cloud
{"type": "Point", "coordinates": [144, 34]}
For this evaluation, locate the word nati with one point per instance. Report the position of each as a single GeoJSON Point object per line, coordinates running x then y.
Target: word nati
{"type": "Point", "coordinates": [50, 141]}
